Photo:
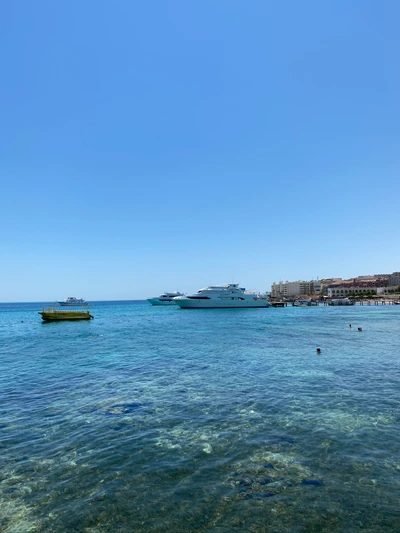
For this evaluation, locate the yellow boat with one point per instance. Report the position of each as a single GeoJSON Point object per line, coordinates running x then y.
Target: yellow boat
{"type": "Point", "coordinates": [50, 314]}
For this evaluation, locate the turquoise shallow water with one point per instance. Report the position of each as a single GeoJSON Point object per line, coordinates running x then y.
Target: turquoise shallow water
{"type": "Point", "coordinates": [156, 419]}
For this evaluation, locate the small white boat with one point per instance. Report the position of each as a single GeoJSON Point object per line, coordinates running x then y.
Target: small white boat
{"type": "Point", "coordinates": [167, 298]}
{"type": "Point", "coordinates": [304, 302]}
{"type": "Point", "coordinates": [71, 300]}
{"type": "Point", "coordinates": [222, 296]}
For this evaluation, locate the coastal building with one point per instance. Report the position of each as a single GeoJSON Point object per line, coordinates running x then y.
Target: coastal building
{"type": "Point", "coordinates": [326, 282]}
{"type": "Point", "coordinates": [394, 279]}
{"type": "Point", "coordinates": [295, 288]}
{"type": "Point", "coordinates": [358, 286]}
{"type": "Point", "coordinates": [338, 287]}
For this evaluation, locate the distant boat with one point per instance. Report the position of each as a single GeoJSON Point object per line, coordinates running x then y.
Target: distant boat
{"type": "Point", "coordinates": [222, 296]}
{"type": "Point", "coordinates": [51, 314]}
{"type": "Point", "coordinates": [71, 300]}
{"type": "Point", "coordinates": [167, 298]}
{"type": "Point", "coordinates": [340, 301]}
{"type": "Point", "coordinates": [304, 302]}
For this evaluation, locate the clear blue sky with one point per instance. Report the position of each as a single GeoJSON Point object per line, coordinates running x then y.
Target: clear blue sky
{"type": "Point", "coordinates": [151, 146]}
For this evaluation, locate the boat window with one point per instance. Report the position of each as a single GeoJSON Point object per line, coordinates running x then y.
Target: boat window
{"type": "Point", "coordinates": [199, 297]}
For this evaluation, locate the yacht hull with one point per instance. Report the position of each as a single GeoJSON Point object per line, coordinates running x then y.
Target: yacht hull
{"type": "Point", "coordinates": [156, 301]}
{"type": "Point", "coordinates": [64, 304]}
{"type": "Point", "coordinates": [186, 303]}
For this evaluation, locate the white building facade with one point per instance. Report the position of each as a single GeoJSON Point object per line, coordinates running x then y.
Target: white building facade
{"type": "Point", "coordinates": [296, 288]}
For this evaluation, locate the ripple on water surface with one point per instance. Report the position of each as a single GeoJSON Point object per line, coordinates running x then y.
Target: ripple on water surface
{"type": "Point", "coordinates": [159, 420]}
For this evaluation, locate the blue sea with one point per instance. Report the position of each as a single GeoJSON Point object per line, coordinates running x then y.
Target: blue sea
{"type": "Point", "coordinates": [157, 419]}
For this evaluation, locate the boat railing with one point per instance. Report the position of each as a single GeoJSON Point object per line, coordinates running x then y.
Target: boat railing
{"type": "Point", "coordinates": [58, 310]}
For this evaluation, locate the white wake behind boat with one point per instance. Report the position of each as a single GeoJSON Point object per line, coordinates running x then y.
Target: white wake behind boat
{"type": "Point", "coordinates": [222, 296]}
{"type": "Point", "coordinates": [167, 298]}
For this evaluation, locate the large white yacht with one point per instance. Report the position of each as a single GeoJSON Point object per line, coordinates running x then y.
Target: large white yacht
{"type": "Point", "coordinates": [167, 298]}
{"type": "Point", "coordinates": [222, 296]}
